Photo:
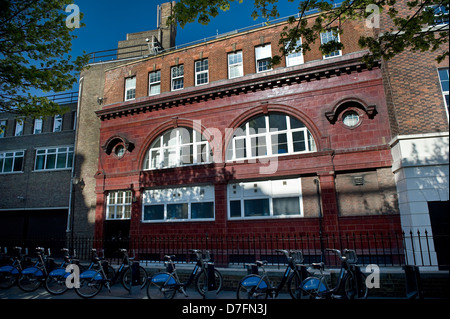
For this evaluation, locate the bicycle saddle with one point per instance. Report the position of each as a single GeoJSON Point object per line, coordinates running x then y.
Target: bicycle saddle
{"type": "Point", "coordinates": [169, 257]}
{"type": "Point", "coordinates": [260, 263]}
{"type": "Point", "coordinates": [319, 266]}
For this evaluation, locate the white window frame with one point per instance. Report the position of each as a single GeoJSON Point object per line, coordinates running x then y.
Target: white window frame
{"type": "Point", "coordinates": [18, 130]}
{"type": "Point", "coordinates": [441, 18]}
{"type": "Point", "coordinates": [268, 135]}
{"type": "Point", "coordinates": [14, 155]}
{"type": "Point", "coordinates": [445, 94]}
{"type": "Point", "coordinates": [121, 201]}
{"type": "Point", "coordinates": [295, 58]}
{"type": "Point", "coordinates": [57, 151]}
{"type": "Point", "coordinates": [3, 128]}
{"type": "Point", "coordinates": [329, 37]}
{"type": "Point", "coordinates": [37, 125]}
{"type": "Point", "coordinates": [175, 147]}
{"type": "Point", "coordinates": [263, 54]}
{"type": "Point", "coordinates": [187, 195]}
{"type": "Point", "coordinates": [201, 70]}
{"type": "Point", "coordinates": [266, 189]}
{"type": "Point", "coordinates": [57, 123]}
{"type": "Point", "coordinates": [177, 76]}
{"type": "Point", "coordinates": [154, 81]}
{"type": "Point", "coordinates": [130, 87]}
{"type": "Point", "coordinates": [236, 63]}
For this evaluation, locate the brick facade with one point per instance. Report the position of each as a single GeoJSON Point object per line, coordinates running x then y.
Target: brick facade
{"type": "Point", "coordinates": [317, 93]}
{"type": "Point", "coordinates": [35, 202]}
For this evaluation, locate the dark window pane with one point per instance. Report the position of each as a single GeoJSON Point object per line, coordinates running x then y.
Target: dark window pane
{"type": "Point", "coordinates": [257, 125]}
{"type": "Point", "coordinates": [256, 207]}
{"type": "Point", "coordinates": [18, 164]}
{"type": "Point", "coordinates": [154, 212]}
{"type": "Point", "coordinates": [177, 211]}
{"type": "Point", "coordinates": [202, 210]}
{"type": "Point", "coordinates": [277, 122]}
{"type": "Point", "coordinates": [298, 139]}
{"type": "Point", "coordinates": [235, 208]}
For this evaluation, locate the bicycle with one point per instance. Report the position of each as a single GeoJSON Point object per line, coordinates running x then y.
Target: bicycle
{"type": "Point", "coordinates": [92, 280]}
{"type": "Point", "coordinates": [10, 272]}
{"type": "Point", "coordinates": [351, 281]}
{"type": "Point", "coordinates": [31, 278]}
{"type": "Point", "coordinates": [256, 286]}
{"type": "Point", "coordinates": [125, 275]}
{"type": "Point", "coordinates": [164, 285]}
{"type": "Point", "coordinates": [55, 283]}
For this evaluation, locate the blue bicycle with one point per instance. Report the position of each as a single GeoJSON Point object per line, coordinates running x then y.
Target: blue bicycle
{"type": "Point", "coordinates": [55, 283]}
{"type": "Point", "coordinates": [10, 273]}
{"type": "Point", "coordinates": [31, 278]}
{"type": "Point", "coordinates": [350, 283]}
{"type": "Point", "coordinates": [93, 279]}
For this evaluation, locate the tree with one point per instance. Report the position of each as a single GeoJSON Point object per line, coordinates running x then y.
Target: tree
{"type": "Point", "coordinates": [35, 44]}
{"type": "Point", "coordinates": [417, 30]}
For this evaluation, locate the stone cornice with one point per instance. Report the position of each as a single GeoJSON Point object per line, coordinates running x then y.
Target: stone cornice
{"type": "Point", "coordinates": [251, 83]}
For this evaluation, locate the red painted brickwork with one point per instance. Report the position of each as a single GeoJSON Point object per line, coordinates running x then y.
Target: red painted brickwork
{"type": "Point", "coordinates": [339, 149]}
{"type": "Point", "coordinates": [413, 91]}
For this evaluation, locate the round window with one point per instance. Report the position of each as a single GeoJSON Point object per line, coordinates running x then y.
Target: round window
{"type": "Point", "coordinates": [119, 150]}
{"type": "Point", "coordinates": [350, 119]}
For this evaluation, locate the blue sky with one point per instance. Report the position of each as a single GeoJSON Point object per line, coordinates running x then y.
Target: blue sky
{"type": "Point", "coordinates": [107, 22]}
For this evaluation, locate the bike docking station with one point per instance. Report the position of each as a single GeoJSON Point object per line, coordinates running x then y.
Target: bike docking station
{"type": "Point", "coordinates": [210, 291]}
{"type": "Point", "coordinates": [135, 287]}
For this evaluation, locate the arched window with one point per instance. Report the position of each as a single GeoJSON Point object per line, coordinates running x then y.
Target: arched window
{"type": "Point", "coordinates": [178, 147]}
{"type": "Point", "coordinates": [273, 134]}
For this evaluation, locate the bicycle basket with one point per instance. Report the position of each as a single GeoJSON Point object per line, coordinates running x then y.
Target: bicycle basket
{"type": "Point", "coordinates": [297, 256]}
{"type": "Point", "coordinates": [351, 256]}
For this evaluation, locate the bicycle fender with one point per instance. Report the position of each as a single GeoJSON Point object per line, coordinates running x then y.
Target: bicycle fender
{"type": "Point", "coordinates": [32, 271]}
{"type": "Point", "coordinates": [253, 280]}
{"type": "Point", "coordinates": [162, 277]}
{"type": "Point", "coordinates": [312, 283]}
{"type": "Point", "coordinates": [59, 272]}
{"type": "Point", "coordinates": [9, 269]}
{"type": "Point", "coordinates": [91, 273]}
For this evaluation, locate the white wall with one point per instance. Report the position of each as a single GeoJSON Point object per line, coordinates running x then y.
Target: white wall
{"type": "Point", "coordinates": [422, 175]}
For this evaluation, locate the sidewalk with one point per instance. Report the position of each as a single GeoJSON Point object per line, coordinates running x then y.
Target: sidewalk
{"type": "Point", "coordinates": [117, 292]}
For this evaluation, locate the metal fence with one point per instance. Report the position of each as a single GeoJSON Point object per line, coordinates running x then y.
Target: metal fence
{"type": "Point", "coordinates": [383, 249]}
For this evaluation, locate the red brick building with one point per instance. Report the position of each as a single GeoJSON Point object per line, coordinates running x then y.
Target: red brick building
{"type": "Point", "coordinates": [210, 139]}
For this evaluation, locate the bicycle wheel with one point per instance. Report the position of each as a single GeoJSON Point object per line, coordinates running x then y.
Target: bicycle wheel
{"type": "Point", "coordinates": [8, 276]}
{"type": "Point", "coordinates": [29, 282]}
{"type": "Point", "coordinates": [162, 286]}
{"type": "Point", "coordinates": [201, 283]}
{"type": "Point", "coordinates": [126, 278]}
{"type": "Point", "coordinates": [56, 283]}
{"type": "Point", "coordinates": [351, 288]}
{"type": "Point", "coordinates": [294, 286]}
{"type": "Point", "coordinates": [252, 287]}
{"type": "Point", "coordinates": [91, 283]}
{"type": "Point", "coordinates": [89, 287]}
{"type": "Point", "coordinates": [313, 288]}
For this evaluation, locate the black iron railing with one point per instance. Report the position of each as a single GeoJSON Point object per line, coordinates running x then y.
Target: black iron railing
{"type": "Point", "coordinates": [382, 249]}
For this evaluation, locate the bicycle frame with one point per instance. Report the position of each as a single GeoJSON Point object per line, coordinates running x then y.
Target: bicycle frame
{"type": "Point", "coordinates": [263, 279]}
{"type": "Point", "coordinates": [97, 275]}
{"type": "Point", "coordinates": [317, 286]}
{"type": "Point", "coordinates": [38, 269]}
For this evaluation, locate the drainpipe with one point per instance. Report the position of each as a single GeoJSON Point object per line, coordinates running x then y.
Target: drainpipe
{"type": "Point", "coordinates": [70, 216]}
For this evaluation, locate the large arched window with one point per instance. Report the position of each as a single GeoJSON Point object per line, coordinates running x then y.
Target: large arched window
{"type": "Point", "coordinates": [178, 147]}
{"type": "Point", "coordinates": [273, 134]}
